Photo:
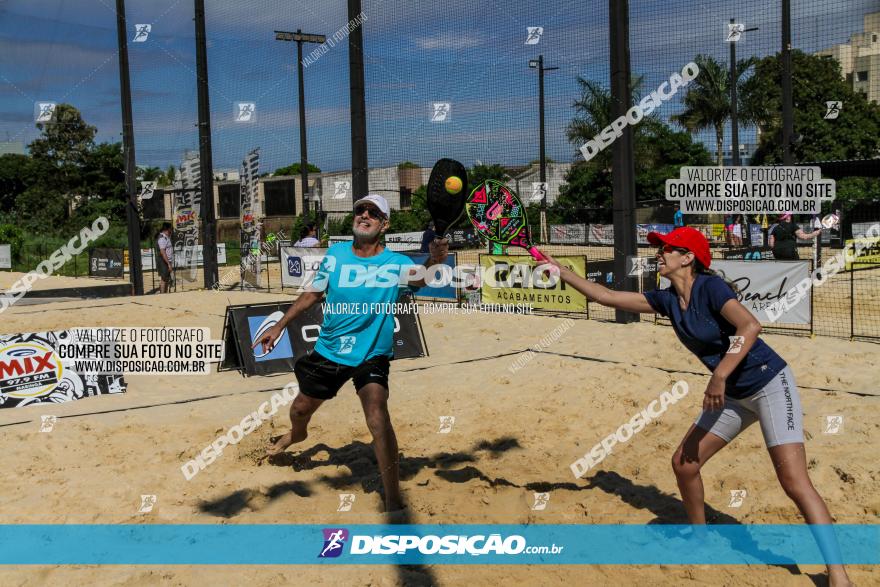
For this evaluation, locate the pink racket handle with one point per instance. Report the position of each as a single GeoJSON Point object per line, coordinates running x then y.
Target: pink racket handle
{"type": "Point", "coordinates": [536, 254]}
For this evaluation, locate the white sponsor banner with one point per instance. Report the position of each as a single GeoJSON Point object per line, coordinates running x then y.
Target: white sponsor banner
{"type": "Point", "coordinates": [299, 265]}
{"type": "Point", "coordinates": [860, 229]}
{"type": "Point", "coordinates": [5, 256]}
{"type": "Point", "coordinates": [762, 284]}
{"type": "Point", "coordinates": [180, 258]}
{"type": "Point", "coordinates": [601, 234]}
{"type": "Point", "coordinates": [568, 234]}
{"type": "Point", "coordinates": [402, 241]}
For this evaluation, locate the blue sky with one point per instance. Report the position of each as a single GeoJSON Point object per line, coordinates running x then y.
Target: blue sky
{"type": "Point", "coordinates": [471, 54]}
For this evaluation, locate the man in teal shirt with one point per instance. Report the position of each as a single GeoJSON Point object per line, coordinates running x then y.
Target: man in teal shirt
{"type": "Point", "coordinates": [361, 280]}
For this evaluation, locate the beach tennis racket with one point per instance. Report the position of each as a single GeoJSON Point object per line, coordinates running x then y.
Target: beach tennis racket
{"type": "Point", "coordinates": [447, 191]}
{"type": "Point", "coordinates": [499, 216]}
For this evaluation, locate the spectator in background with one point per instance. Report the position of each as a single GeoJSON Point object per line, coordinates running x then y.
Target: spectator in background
{"type": "Point", "coordinates": [165, 258]}
{"type": "Point", "coordinates": [784, 235]}
{"type": "Point", "coordinates": [427, 237]}
{"type": "Point", "coordinates": [678, 218]}
{"type": "Point", "coordinates": [736, 234]}
{"type": "Point", "coordinates": [308, 236]}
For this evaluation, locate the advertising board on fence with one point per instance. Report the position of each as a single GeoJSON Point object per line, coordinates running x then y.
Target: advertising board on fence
{"type": "Point", "coordinates": [105, 263]}
{"type": "Point", "coordinates": [245, 324]}
{"type": "Point", "coordinates": [601, 234]}
{"type": "Point", "coordinates": [5, 256]}
{"type": "Point", "coordinates": [32, 372]}
{"type": "Point", "coordinates": [568, 234]}
{"type": "Point", "coordinates": [749, 254]}
{"type": "Point", "coordinates": [763, 284]}
{"type": "Point", "coordinates": [299, 265]}
{"type": "Point", "coordinates": [401, 241]}
{"type": "Point", "coordinates": [514, 280]}
{"type": "Point", "coordinates": [869, 253]}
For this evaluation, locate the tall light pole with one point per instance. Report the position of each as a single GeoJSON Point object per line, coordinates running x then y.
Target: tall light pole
{"type": "Point", "coordinates": [301, 38]}
{"type": "Point", "coordinates": [734, 125]}
{"type": "Point", "coordinates": [539, 65]}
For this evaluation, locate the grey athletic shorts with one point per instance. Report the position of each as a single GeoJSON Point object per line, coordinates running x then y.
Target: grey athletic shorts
{"type": "Point", "coordinates": [777, 406]}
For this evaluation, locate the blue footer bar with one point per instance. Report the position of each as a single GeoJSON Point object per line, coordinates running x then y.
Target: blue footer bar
{"type": "Point", "coordinates": [263, 544]}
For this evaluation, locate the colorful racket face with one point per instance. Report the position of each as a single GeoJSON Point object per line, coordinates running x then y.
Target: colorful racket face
{"type": "Point", "coordinates": [445, 208]}
{"type": "Point", "coordinates": [499, 216]}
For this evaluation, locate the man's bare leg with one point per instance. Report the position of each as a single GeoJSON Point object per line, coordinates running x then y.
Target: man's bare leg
{"type": "Point", "coordinates": [301, 411]}
{"type": "Point", "coordinates": [374, 399]}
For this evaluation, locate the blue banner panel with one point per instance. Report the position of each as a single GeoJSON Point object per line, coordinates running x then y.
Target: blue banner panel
{"type": "Point", "coordinates": [184, 544]}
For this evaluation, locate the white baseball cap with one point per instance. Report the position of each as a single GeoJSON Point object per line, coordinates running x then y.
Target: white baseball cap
{"type": "Point", "coordinates": [378, 201]}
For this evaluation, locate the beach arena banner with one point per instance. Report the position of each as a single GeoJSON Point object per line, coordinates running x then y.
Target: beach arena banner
{"type": "Point", "coordinates": [5, 256]}
{"type": "Point", "coordinates": [105, 263]}
{"type": "Point", "coordinates": [763, 284]}
{"type": "Point", "coordinates": [515, 280]}
{"type": "Point", "coordinates": [249, 176]}
{"type": "Point", "coordinates": [244, 324]}
{"type": "Point", "coordinates": [32, 372]}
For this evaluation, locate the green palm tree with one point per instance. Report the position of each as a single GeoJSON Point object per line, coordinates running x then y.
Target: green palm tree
{"type": "Point", "coordinates": [593, 114]}
{"type": "Point", "coordinates": [707, 101]}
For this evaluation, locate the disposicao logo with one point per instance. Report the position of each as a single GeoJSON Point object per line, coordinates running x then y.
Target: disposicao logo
{"type": "Point", "coordinates": [28, 370]}
{"type": "Point", "coordinates": [334, 540]}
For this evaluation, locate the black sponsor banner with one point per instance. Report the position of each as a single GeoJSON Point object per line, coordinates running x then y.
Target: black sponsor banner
{"type": "Point", "coordinates": [749, 254]}
{"type": "Point", "coordinates": [645, 268]}
{"type": "Point", "coordinates": [105, 263]}
{"type": "Point", "coordinates": [464, 238]}
{"type": "Point", "coordinates": [87, 292]}
{"type": "Point", "coordinates": [31, 372]}
{"type": "Point", "coordinates": [246, 323]}
{"type": "Point", "coordinates": [601, 272]}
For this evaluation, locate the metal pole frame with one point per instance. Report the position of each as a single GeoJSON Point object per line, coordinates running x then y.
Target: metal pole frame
{"type": "Point", "coordinates": [623, 167]}
{"type": "Point", "coordinates": [135, 272]}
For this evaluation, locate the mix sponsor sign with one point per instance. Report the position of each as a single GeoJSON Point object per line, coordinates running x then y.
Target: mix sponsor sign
{"type": "Point", "coordinates": [5, 256]}
{"type": "Point", "coordinates": [185, 214]}
{"type": "Point", "coordinates": [517, 280]}
{"type": "Point", "coordinates": [105, 263]}
{"type": "Point", "coordinates": [761, 285]}
{"type": "Point", "coordinates": [601, 234]}
{"type": "Point", "coordinates": [33, 372]}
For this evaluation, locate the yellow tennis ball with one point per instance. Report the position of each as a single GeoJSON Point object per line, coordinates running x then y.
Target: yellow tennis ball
{"type": "Point", "coordinates": [453, 184]}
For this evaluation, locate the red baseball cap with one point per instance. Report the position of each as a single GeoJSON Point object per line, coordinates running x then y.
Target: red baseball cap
{"type": "Point", "coordinates": [686, 238]}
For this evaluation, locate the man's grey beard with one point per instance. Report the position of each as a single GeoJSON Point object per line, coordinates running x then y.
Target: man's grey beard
{"type": "Point", "coordinates": [365, 235]}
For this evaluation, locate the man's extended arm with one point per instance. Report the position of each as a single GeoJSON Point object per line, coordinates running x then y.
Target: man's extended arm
{"type": "Point", "coordinates": [305, 301]}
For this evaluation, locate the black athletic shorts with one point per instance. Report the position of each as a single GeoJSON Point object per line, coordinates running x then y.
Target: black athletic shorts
{"type": "Point", "coordinates": [321, 378]}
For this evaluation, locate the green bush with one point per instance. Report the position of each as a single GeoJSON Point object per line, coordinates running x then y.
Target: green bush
{"type": "Point", "coordinates": [12, 235]}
